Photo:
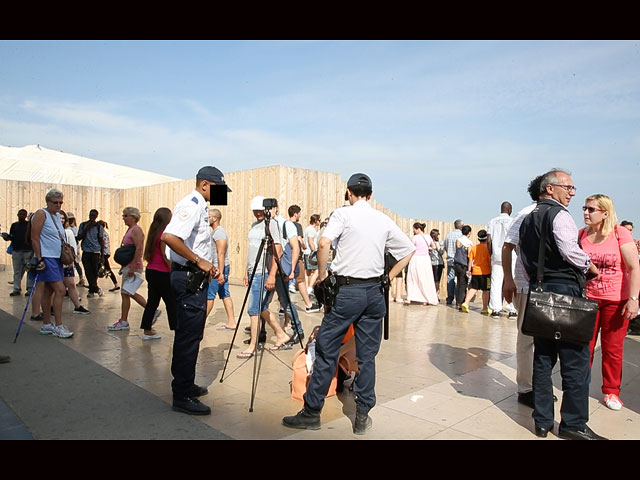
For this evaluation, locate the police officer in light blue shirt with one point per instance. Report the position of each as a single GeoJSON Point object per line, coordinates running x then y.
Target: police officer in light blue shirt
{"type": "Point", "coordinates": [189, 249]}
{"type": "Point", "coordinates": [360, 236]}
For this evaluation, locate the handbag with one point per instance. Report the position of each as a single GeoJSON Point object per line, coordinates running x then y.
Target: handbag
{"type": "Point", "coordinates": [67, 253]}
{"type": "Point", "coordinates": [124, 254]}
{"type": "Point", "coordinates": [556, 316]}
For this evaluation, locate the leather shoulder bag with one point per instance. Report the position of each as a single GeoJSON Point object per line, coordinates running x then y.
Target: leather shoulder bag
{"type": "Point", "coordinates": [555, 316]}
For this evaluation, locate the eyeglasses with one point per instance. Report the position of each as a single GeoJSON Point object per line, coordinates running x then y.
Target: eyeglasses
{"type": "Point", "coordinates": [568, 188]}
{"type": "Point", "coordinates": [591, 209]}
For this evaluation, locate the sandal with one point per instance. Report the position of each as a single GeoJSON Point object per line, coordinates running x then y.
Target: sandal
{"type": "Point", "coordinates": [245, 355]}
{"type": "Point", "coordinates": [224, 327]}
{"type": "Point", "coordinates": [283, 346]}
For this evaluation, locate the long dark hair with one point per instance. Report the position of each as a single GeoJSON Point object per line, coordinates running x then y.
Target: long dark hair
{"type": "Point", "coordinates": [160, 220]}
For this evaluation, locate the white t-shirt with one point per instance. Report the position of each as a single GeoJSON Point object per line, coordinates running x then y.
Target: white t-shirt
{"type": "Point", "coordinates": [498, 228]}
{"type": "Point", "coordinates": [310, 232]}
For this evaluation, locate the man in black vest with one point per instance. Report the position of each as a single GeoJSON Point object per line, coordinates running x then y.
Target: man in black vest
{"type": "Point", "coordinates": [564, 272]}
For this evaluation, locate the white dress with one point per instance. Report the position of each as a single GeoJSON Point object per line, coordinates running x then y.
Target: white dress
{"type": "Point", "coordinates": [421, 286]}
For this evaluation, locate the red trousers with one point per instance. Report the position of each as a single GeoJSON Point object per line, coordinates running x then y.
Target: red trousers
{"type": "Point", "coordinates": [612, 327]}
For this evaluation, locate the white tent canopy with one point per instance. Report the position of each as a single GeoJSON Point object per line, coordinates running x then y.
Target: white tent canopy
{"type": "Point", "coordinates": [34, 163]}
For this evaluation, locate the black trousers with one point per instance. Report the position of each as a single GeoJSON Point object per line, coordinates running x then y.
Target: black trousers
{"type": "Point", "coordinates": [461, 282]}
{"type": "Point", "coordinates": [91, 264]}
{"type": "Point", "coordinates": [158, 288]}
{"type": "Point", "coordinates": [191, 313]}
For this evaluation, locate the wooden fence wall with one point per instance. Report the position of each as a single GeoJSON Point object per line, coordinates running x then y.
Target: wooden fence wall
{"type": "Point", "coordinates": [314, 191]}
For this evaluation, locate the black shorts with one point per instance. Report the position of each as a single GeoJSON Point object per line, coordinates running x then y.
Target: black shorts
{"type": "Point", "coordinates": [480, 282]}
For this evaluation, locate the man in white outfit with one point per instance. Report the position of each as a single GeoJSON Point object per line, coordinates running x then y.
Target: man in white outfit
{"type": "Point", "coordinates": [497, 231]}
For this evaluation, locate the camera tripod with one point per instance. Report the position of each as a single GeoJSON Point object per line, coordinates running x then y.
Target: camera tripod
{"type": "Point", "coordinates": [266, 246]}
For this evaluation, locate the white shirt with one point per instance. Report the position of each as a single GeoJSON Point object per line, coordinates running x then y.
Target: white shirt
{"type": "Point", "coordinates": [498, 228]}
{"type": "Point", "coordinates": [513, 237]}
{"type": "Point", "coordinates": [360, 236]}
{"type": "Point", "coordinates": [190, 222]}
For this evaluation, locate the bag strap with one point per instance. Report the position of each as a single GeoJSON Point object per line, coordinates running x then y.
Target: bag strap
{"type": "Point", "coordinates": [62, 239]}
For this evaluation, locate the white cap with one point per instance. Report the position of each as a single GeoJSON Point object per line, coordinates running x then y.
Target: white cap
{"type": "Point", "coordinates": [257, 202]}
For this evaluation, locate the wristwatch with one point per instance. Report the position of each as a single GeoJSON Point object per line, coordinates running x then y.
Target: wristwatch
{"type": "Point", "coordinates": [633, 298]}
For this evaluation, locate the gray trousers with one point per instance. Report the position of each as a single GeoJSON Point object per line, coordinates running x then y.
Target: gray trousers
{"type": "Point", "coordinates": [20, 260]}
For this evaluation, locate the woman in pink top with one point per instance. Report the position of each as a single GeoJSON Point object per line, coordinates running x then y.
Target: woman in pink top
{"type": "Point", "coordinates": [616, 288]}
{"type": "Point", "coordinates": [421, 286]}
{"type": "Point", "coordinates": [157, 274]}
{"type": "Point", "coordinates": [132, 273]}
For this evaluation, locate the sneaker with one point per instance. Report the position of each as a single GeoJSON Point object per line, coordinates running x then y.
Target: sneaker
{"type": "Point", "coordinates": [281, 312]}
{"type": "Point", "coordinates": [119, 325]}
{"type": "Point", "coordinates": [90, 295]}
{"type": "Point", "coordinates": [464, 308]}
{"type": "Point", "coordinates": [486, 311]}
{"type": "Point", "coordinates": [61, 331]}
{"type": "Point", "coordinates": [313, 308]}
{"type": "Point", "coordinates": [47, 329]}
{"type": "Point", "coordinates": [155, 317]}
{"type": "Point", "coordinates": [495, 315]}
{"type": "Point", "coordinates": [37, 318]}
{"type": "Point", "coordinates": [153, 336]}
{"type": "Point", "coordinates": [100, 292]}
{"type": "Point", "coordinates": [513, 314]}
{"type": "Point", "coordinates": [613, 401]}
{"type": "Point", "coordinates": [309, 290]}
{"type": "Point", "coordinates": [15, 293]}
{"type": "Point", "coordinates": [81, 310]}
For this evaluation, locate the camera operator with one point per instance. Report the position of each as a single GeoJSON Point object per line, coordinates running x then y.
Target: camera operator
{"type": "Point", "coordinates": [189, 241]}
{"type": "Point", "coordinates": [360, 236]}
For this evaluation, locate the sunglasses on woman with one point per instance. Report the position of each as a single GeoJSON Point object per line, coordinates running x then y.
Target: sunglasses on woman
{"type": "Point", "coordinates": [591, 209]}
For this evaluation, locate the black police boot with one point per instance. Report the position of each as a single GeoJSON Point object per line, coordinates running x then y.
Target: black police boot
{"type": "Point", "coordinates": [191, 406]}
{"type": "Point", "coordinates": [362, 424]}
{"type": "Point", "coordinates": [304, 419]}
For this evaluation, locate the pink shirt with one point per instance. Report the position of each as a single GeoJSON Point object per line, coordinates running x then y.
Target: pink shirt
{"type": "Point", "coordinates": [128, 240]}
{"type": "Point", "coordinates": [613, 281]}
{"type": "Point", "coordinates": [157, 262]}
{"type": "Point", "coordinates": [422, 242]}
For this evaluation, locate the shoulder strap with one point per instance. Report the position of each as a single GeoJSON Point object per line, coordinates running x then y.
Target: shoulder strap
{"type": "Point", "coordinates": [62, 239]}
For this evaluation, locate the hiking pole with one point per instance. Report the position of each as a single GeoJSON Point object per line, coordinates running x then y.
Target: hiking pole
{"type": "Point", "coordinates": [33, 287]}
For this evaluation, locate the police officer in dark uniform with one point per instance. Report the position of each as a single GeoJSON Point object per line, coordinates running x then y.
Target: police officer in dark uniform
{"type": "Point", "coordinates": [360, 236]}
{"type": "Point", "coordinates": [189, 241]}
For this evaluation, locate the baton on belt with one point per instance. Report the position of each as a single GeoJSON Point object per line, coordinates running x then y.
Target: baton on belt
{"type": "Point", "coordinates": [385, 291]}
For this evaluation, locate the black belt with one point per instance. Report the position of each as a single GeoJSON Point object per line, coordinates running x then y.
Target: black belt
{"type": "Point", "coordinates": [356, 281]}
{"type": "Point", "coordinates": [183, 268]}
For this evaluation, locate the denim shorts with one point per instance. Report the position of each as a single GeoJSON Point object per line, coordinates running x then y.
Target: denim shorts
{"type": "Point", "coordinates": [254, 296]}
{"type": "Point", "coordinates": [221, 290]}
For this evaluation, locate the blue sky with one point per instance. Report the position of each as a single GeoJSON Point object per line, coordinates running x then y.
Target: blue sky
{"type": "Point", "coordinates": [445, 129]}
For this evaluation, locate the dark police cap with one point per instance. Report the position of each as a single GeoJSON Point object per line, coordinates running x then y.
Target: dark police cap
{"type": "Point", "coordinates": [359, 179]}
{"type": "Point", "coordinates": [212, 174]}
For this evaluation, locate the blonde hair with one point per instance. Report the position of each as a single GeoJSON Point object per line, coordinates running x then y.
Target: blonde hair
{"type": "Point", "coordinates": [606, 204]}
{"type": "Point", "coordinates": [133, 211]}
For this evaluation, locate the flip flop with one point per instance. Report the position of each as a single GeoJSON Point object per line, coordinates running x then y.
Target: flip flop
{"type": "Point", "coordinates": [245, 355]}
{"type": "Point", "coordinates": [224, 327]}
{"type": "Point", "coordinates": [284, 346]}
